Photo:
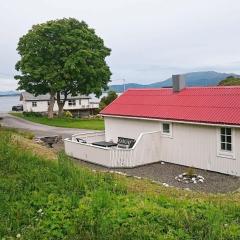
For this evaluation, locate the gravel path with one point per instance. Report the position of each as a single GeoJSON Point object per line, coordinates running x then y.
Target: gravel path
{"type": "Point", "coordinates": [166, 173]}
{"type": "Point", "coordinates": [214, 182]}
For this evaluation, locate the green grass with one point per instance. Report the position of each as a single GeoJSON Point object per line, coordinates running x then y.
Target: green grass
{"type": "Point", "coordinates": [43, 199]}
{"type": "Point", "coordinates": [96, 124]}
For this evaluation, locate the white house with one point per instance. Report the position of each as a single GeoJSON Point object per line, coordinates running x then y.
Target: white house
{"type": "Point", "coordinates": [191, 126]}
{"type": "Point", "coordinates": [79, 105]}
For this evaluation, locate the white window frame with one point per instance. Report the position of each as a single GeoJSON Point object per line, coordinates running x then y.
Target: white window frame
{"type": "Point", "coordinates": [225, 153]}
{"type": "Point", "coordinates": [165, 134]}
{"type": "Point", "coordinates": [34, 103]}
{"type": "Point", "coordinates": [71, 101]}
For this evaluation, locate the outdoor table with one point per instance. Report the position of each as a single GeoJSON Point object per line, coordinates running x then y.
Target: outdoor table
{"type": "Point", "coordinates": [105, 144]}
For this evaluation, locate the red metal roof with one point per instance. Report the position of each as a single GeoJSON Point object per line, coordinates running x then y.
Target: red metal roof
{"type": "Point", "coordinates": [194, 104]}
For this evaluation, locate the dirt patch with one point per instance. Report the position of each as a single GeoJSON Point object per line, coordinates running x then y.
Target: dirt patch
{"type": "Point", "coordinates": [35, 148]}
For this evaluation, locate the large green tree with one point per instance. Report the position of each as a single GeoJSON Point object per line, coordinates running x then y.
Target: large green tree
{"type": "Point", "coordinates": [106, 100]}
{"type": "Point", "coordinates": [62, 57]}
{"type": "Point", "coordinates": [230, 81]}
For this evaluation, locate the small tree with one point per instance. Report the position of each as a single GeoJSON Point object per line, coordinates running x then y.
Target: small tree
{"type": "Point", "coordinates": [230, 81]}
{"type": "Point", "coordinates": [62, 57]}
{"type": "Point", "coordinates": [106, 100]}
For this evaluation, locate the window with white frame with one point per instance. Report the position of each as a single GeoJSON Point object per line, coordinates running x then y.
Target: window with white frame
{"type": "Point", "coordinates": [226, 142]}
{"type": "Point", "coordinates": [34, 104]}
{"type": "Point", "coordinates": [226, 139]}
{"type": "Point", "coordinates": [72, 102]}
{"type": "Point", "coordinates": [167, 129]}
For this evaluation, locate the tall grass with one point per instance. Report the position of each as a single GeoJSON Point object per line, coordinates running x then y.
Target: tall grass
{"type": "Point", "coordinates": [42, 199]}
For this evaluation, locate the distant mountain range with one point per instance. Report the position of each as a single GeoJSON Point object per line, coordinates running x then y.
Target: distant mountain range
{"type": "Point", "coordinates": [9, 93]}
{"type": "Point", "coordinates": [209, 78]}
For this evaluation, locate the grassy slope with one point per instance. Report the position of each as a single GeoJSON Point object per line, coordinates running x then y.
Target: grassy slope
{"type": "Point", "coordinates": [97, 124]}
{"type": "Point", "coordinates": [43, 199]}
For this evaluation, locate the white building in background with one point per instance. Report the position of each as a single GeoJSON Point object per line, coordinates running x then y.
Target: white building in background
{"type": "Point", "coordinates": [192, 126]}
{"type": "Point", "coordinates": [79, 105]}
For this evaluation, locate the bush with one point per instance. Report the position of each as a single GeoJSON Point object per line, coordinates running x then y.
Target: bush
{"type": "Point", "coordinates": [68, 114]}
{"type": "Point", "coordinates": [191, 172]}
{"type": "Point", "coordinates": [32, 114]}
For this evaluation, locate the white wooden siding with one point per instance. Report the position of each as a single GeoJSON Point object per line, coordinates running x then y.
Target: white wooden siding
{"type": "Point", "coordinates": [130, 128]}
{"type": "Point", "coordinates": [87, 152]}
{"type": "Point", "coordinates": [190, 145]}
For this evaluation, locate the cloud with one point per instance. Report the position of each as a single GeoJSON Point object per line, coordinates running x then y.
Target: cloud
{"type": "Point", "coordinates": [150, 40]}
{"type": "Point", "coordinates": [7, 84]}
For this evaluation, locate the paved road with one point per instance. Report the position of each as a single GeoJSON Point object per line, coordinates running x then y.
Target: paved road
{"type": "Point", "coordinates": [36, 128]}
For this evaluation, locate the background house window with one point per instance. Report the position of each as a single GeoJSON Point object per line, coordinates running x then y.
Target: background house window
{"type": "Point", "coordinates": [34, 104]}
{"type": "Point", "coordinates": [226, 139]}
{"type": "Point", "coordinates": [167, 129]}
{"type": "Point", "coordinates": [71, 102]}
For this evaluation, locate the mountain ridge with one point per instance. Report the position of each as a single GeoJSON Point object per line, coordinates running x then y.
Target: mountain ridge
{"type": "Point", "coordinates": [9, 93]}
{"type": "Point", "coordinates": [203, 78]}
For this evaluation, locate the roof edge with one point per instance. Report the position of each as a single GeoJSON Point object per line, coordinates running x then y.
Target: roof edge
{"type": "Point", "coordinates": [173, 120]}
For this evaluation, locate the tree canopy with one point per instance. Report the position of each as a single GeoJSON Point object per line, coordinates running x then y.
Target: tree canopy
{"type": "Point", "coordinates": [230, 81]}
{"type": "Point", "coordinates": [62, 57]}
{"type": "Point", "coordinates": [106, 100]}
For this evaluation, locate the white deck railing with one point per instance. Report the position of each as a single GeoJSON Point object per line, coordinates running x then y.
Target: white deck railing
{"type": "Point", "coordinates": [143, 152]}
{"type": "Point", "coordinates": [86, 106]}
{"type": "Point", "coordinates": [90, 137]}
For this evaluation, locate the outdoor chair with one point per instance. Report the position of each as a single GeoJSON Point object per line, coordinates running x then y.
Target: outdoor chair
{"type": "Point", "coordinates": [80, 140]}
{"type": "Point", "coordinates": [125, 142]}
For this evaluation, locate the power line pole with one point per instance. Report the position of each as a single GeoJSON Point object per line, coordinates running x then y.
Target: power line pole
{"type": "Point", "coordinates": [124, 87]}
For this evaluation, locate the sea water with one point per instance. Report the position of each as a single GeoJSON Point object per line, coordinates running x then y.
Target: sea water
{"type": "Point", "coordinates": [7, 102]}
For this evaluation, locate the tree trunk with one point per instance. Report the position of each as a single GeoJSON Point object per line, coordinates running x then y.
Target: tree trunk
{"type": "Point", "coordinates": [61, 103]}
{"type": "Point", "coordinates": [51, 105]}
{"type": "Point", "coordinates": [60, 110]}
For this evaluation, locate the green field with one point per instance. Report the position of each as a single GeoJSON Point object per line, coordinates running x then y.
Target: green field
{"type": "Point", "coordinates": [96, 124]}
{"type": "Point", "coordinates": [45, 196]}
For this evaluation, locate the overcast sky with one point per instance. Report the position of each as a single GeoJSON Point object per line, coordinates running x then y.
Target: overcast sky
{"type": "Point", "coordinates": [150, 39]}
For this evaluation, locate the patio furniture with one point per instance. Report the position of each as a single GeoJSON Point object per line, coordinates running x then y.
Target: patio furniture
{"type": "Point", "coordinates": [105, 144]}
{"type": "Point", "coordinates": [80, 140]}
{"type": "Point", "coordinates": [125, 142]}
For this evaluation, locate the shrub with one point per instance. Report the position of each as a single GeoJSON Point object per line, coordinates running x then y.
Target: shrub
{"type": "Point", "coordinates": [32, 114]}
{"type": "Point", "coordinates": [68, 114]}
{"type": "Point", "coordinates": [191, 172]}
